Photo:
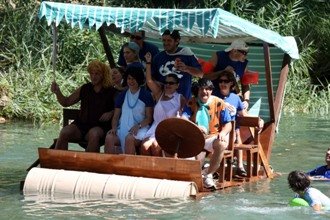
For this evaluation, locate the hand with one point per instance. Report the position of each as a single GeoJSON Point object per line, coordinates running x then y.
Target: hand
{"type": "Point", "coordinates": [245, 104]}
{"type": "Point", "coordinates": [54, 87]}
{"type": "Point", "coordinates": [134, 130]}
{"type": "Point", "coordinates": [148, 57]}
{"type": "Point", "coordinates": [231, 108]}
{"type": "Point", "coordinates": [179, 65]}
{"type": "Point", "coordinates": [261, 125]}
{"type": "Point", "coordinates": [222, 137]}
{"type": "Point", "coordinates": [113, 131]}
{"type": "Point", "coordinates": [106, 116]}
{"type": "Point", "coordinates": [230, 69]}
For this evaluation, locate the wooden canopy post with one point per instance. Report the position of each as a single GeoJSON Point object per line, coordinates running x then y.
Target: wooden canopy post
{"type": "Point", "coordinates": [269, 81]}
{"type": "Point", "coordinates": [106, 47]}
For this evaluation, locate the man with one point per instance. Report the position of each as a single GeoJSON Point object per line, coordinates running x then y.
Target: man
{"type": "Point", "coordinates": [323, 171]}
{"type": "Point", "coordinates": [145, 47]}
{"type": "Point", "coordinates": [212, 117]}
{"type": "Point", "coordinates": [177, 60]}
{"type": "Point", "coordinates": [96, 108]}
{"type": "Point", "coordinates": [232, 59]}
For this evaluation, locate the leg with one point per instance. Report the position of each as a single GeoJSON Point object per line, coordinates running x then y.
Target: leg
{"type": "Point", "coordinates": [240, 167]}
{"type": "Point", "coordinates": [218, 151]}
{"type": "Point", "coordinates": [93, 137]}
{"type": "Point", "coordinates": [111, 144]}
{"type": "Point", "coordinates": [217, 147]}
{"type": "Point", "coordinates": [145, 147]}
{"type": "Point", "coordinates": [131, 143]}
{"type": "Point", "coordinates": [68, 133]}
{"type": "Point", "coordinates": [155, 149]}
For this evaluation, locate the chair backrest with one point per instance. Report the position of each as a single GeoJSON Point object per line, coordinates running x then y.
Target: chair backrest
{"type": "Point", "coordinates": [252, 123]}
{"type": "Point", "coordinates": [69, 115]}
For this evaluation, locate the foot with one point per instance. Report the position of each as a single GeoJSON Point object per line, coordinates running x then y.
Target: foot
{"type": "Point", "coordinates": [208, 182]}
{"type": "Point", "coordinates": [241, 172]}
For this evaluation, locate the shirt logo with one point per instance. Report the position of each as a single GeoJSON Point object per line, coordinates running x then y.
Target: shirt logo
{"type": "Point", "coordinates": [168, 68]}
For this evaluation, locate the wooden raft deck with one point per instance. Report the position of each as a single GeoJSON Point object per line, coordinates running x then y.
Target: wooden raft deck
{"type": "Point", "coordinates": [131, 165]}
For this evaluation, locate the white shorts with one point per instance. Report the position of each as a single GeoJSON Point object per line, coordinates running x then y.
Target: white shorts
{"type": "Point", "coordinates": [209, 142]}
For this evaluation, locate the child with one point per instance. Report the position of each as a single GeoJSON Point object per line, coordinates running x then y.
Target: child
{"type": "Point", "coordinates": [299, 182]}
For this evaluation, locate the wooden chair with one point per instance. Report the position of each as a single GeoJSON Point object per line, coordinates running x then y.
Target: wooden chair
{"type": "Point", "coordinates": [226, 165]}
{"type": "Point", "coordinates": [251, 145]}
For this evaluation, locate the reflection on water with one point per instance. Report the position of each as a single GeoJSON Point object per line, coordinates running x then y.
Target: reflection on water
{"type": "Point", "coordinates": [300, 144]}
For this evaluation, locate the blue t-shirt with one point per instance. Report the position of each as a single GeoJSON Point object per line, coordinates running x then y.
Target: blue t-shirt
{"type": "Point", "coordinates": [163, 64]}
{"type": "Point", "coordinates": [316, 197]}
{"type": "Point", "coordinates": [320, 171]}
{"type": "Point", "coordinates": [144, 96]}
{"type": "Point", "coordinates": [147, 47]}
{"type": "Point", "coordinates": [223, 62]}
{"type": "Point", "coordinates": [235, 101]}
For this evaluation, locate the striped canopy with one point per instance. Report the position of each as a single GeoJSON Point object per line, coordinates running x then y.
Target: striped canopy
{"type": "Point", "coordinates": [212, 25]}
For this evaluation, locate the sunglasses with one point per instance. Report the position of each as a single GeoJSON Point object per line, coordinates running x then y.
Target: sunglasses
{"type": "Point", "coordinates": [170, 83]}
{"type": "Point", "coordinates": [243, 52]}
{"type": "Point", "coordinates": [136, 37]}
{"type": "Point", "coordinates": [224, 81]}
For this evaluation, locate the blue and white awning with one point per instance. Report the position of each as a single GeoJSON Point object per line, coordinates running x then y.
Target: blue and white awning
{"type": "Point", "coordinates": [212, 25]}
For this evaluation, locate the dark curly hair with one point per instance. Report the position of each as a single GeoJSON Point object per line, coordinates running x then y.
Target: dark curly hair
{"type": "Point", "coordinates": [135, 72]}
{"type": "Point", "coordinates": [203, 82]}
{"type": "Point", "coordinates": [298, 181]}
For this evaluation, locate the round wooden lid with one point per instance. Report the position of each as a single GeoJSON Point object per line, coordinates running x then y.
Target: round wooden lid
{"type": "Point", "coordinates": [177, 135]}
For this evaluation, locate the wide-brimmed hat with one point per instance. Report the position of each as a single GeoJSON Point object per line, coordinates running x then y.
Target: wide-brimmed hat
{"type": "Point", "coordinates": [237, 45]}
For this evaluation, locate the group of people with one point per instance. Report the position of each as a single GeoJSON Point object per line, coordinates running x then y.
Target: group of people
{"type": "Point", "coordinates": [123, 106]}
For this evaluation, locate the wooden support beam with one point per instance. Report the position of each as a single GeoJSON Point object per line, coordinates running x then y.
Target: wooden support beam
{"type": "Point", "coordinates": [269, 81]}
{"type": "Point", "coordinates": [106, 47]}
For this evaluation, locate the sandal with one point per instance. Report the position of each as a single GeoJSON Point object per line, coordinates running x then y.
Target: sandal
{"type": "Point", "coordinates": [241, 172]}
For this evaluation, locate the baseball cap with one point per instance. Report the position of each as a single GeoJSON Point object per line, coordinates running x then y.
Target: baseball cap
{"type": "Point", "coordinates": [238, 45]}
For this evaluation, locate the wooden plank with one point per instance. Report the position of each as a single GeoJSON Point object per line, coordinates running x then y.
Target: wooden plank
{"type": "Point", "coordinates": [265, 163]}
{"type": "Point", "coordinates": [131, 165]}
{"type": "Point", "coordinates": [248, 121]}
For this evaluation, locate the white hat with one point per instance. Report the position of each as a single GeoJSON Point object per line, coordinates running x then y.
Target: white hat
{"type": "Point", "coordinates": [238, 45]}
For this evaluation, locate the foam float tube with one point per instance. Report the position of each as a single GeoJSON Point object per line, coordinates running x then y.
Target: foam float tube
{"type": "Point", "coordinates": [298, 202]}
{"type": "Point", "coordinates": [41, 181]}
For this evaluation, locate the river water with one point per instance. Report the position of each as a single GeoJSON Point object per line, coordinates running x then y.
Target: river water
{"type": "Point", "coordinates": [300, 144]}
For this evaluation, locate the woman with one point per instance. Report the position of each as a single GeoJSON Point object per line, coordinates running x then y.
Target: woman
{"type": "Point", "coordinates": [117, 74]}
{"type": "Point", "coordinates": [169, 104]}
{"type": "Point", "coordinates": [227, 87]}
{"type": "Point", "coordinates": [132, 116]}
{"type": "Point", "coordinates": [131, 55]}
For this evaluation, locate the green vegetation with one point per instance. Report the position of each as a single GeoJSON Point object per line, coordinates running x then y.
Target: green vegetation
{"type": "Point", "coordinates": [26, 44]}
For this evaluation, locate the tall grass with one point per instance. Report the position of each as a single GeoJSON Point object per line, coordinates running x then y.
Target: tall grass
{"type": "Point", "coordinates": [25, 63]}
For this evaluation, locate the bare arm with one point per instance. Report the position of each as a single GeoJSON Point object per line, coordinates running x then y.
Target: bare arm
{"type": "Point", "coordinates": [115, 120]}
{"type": "Point", "coordinates": [149, 118]}
{"type": "Point", "coordinates": [188, 69]}
{"type": "Point", "coordinates": [225, 129]}
{"type": "Point", "coordinates": [317, 207]}
{"type": "Point", "coordinates": [155, 87]}
{"type": "Point", "coordinates": [63, 100]}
